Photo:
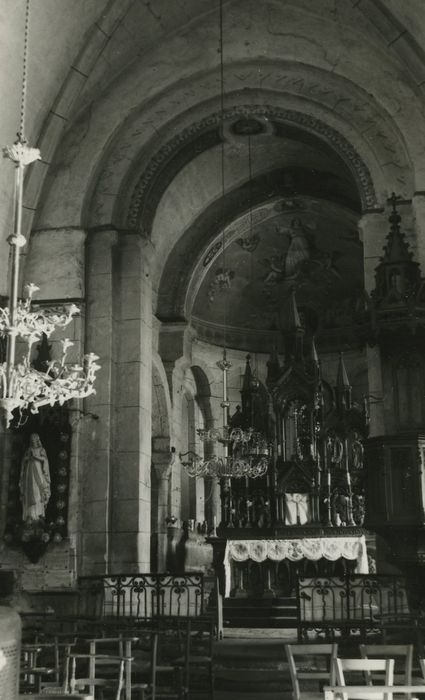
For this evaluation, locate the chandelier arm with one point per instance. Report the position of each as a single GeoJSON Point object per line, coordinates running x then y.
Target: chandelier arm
{"type": "Point", "coordinates": [15, 255]}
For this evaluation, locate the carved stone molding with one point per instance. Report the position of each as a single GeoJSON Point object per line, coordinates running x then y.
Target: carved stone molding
{"type": "Point", "coordinates": [142, 191]}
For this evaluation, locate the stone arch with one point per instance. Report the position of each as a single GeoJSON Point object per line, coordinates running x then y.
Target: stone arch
{"type": "Point", "coordinates": [343, 106]}
{"type": "Point", "coordinates": [104, 34]}
{"type": "Point", "coordinates": [162, 399]}
{"type": "Point", "coordinates": [198, 241]}
{"type": "Point", "coordinates": [210, 486]}
{"type": "Point", "coordinates": [152, 183]}
{"type": "Point", "coordinates": [203, 394]}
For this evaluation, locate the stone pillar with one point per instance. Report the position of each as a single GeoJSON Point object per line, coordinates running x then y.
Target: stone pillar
{"type": "Point", "coordinates": [212, 502]}
{"type": "Point", "coordinates": [162, 462]}
{"type": "Point", "coordinates": [175, 349]}
{"type": "Point", "coordinates": [55, 263]}
{"type": "Point", "coordinates": [96, 473]}
{"type": "Point", "coordinates": [376, 399]}
{"type": "Point", "coordinates": [131, 488]}
{"type": "Point", "coordinates": [418, 210]}
{"type": "Point", "coordinates": [373, 231]}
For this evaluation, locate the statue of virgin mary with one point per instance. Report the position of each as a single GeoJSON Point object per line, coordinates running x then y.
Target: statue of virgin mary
{"type": "Point", "coordinates": [34, 482]}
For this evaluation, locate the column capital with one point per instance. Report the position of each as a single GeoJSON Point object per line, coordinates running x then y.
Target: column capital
{"type": "Point", "coordinates": [129, 238]}
{"type": "Point", "coordinates": [102, 234]}
{"type": "Point", "coordinates": [175, 341]}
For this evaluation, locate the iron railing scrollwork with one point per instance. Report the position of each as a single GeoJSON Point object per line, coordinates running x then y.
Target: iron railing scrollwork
{"type": "Point", "coordinates": [363, 602]}
{"type": "Point", "coordinates": [142, 595]}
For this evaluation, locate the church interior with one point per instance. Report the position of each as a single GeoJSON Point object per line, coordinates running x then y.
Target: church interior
{"type": "Point", "coordinates": [212, 343]}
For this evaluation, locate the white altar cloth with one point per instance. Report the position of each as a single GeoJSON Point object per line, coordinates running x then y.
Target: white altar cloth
{"type": "Point", "coordinates": [313, 548]}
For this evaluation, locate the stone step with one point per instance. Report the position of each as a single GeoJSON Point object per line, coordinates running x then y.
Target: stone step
{"type": "Point", "coordinates": [242, 695]}
{"type": "Point", "coordinates": [270, 635]}
{"type": "Point", "coordinates": [265, 622]}
{"type": "Point", "coordinates": [260, 612]}
{"type": "Point", "coordinates": [265, 681]}
{"type": "Point", "coordinates": [280, 610]}
{"type": "Point", "coordinates": [260, 602]}
{"type": "Point", "coordinates": [253, 667]}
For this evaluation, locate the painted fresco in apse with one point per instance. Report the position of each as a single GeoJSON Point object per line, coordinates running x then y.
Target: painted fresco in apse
{"type": "Point", "coordinates": [306, 245]}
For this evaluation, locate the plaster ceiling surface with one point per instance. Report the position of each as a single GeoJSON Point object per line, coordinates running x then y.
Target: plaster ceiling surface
{"type": "Point", "coordinates": [109, 79]}
{"type": "Point", "coordinates": [174, 52]}
{"type": "Point", "coordinates": [303, 244]}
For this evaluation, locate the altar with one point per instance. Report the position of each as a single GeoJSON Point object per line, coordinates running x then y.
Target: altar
{"type": "Point", "coordinates": [276, 550]}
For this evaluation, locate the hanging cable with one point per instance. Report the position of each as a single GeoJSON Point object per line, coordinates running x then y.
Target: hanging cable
{"type": "Point", "coordinates": [21, 132]}
{"type": "Point", "coordinates": [223, 188]}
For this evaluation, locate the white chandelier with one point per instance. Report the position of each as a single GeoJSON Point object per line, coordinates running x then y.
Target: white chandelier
{"type": "Point", "coordinates": [242, 453]}
{"type": "Point", "coordinates": [22, 387]}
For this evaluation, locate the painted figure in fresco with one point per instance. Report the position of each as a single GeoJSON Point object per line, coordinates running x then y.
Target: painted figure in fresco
{"type": "Point", "coordinates": [298, 250]}
{"type": "Point", "coordinates": [34, 483]}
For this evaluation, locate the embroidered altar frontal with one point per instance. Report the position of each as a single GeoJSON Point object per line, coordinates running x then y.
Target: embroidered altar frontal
{"type": "Point", "coordinates": [314, 548]}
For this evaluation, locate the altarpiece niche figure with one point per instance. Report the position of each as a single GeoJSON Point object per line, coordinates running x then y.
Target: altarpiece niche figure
{"type": "Point", "coordinates": [34, 482]}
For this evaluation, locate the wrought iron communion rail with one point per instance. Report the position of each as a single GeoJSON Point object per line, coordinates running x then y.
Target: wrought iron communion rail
{"type": "Point", "coordinates": [364, 602]}
{"type": "Point", "coordinates": [142, 595]}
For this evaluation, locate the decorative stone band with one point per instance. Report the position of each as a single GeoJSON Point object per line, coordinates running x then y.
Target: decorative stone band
{"type": "Point", "coordinates": [314, 548]}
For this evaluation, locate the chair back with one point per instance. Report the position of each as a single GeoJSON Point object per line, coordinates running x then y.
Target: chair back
{"type": "Point", "coordinates": [368, 668]}
{"type": "Point", "coordinates": [86, 674]}
{"type": "Point", "coordinates": [401, 653]}
{"type": "Point", "coordinates": [311, 662]}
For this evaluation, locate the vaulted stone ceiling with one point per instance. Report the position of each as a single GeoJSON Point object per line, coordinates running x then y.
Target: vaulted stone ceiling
{"type": "Point", "coordinates": [124, 102]}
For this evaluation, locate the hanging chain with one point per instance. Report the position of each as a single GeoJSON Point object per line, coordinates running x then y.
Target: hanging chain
{"type": "Point", "coordinates": [21, 132]}
{"type": "Point", "coordinates": [223, 189]}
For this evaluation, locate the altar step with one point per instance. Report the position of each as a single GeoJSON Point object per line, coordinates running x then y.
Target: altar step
{"type": "Point", "coordinates": [251, 668]}
{"type": "Point", "coordinates": [260, 613]}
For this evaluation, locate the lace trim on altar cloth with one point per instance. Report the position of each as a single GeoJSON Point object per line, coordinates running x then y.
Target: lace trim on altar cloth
{"type": "Point", "coordinates": [331, 548]}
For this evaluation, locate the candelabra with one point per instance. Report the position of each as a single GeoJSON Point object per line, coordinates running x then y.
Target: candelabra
{"type": "Point", "coordinates": [22, 387]}
{"type": "Point", "coordinates": [243, 453]}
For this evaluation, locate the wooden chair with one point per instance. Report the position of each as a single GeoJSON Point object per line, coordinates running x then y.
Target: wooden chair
{"type": "Point", "coordinates": [44, 662]}
{"type": "Point", "coordinates": [172, 657]}
{"type": "Point", "coordinates": [33, 671]}
{"type": "Point", "coordinates": [311, 662]}
{"type": "Point", "coordinates": [84, 674]}
{"type": "Point", "coordinates": [104, 648]}
{"type": "Point", "coordinates": [402, 655]}
{"type": "Point", "coordinates": [144, 665]}
{"type": "Point", "coordinates": [197, 660]}
{"type": "Point", "coordinates": [422, 665]}
{"type": "Point", "coordinates": [374, 692]}
{"type": "Point", "coordinates": [368, 669]}
{"type": "Point", "coordinates": [55, 696]}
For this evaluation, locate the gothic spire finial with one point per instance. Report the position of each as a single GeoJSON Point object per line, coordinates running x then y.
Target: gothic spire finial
{"type": "Point", "coordinates": [314, 353]}
{"type": "Point", "coordinates": [342, 381]}
{"type": "Point", "coordinates": [396, 249]}
{"type": "Point", "coordinates": [247, 377]}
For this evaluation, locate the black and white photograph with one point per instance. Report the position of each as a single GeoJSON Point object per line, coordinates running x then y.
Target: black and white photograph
{"type": "Point", "coordinates": [212, 349]}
